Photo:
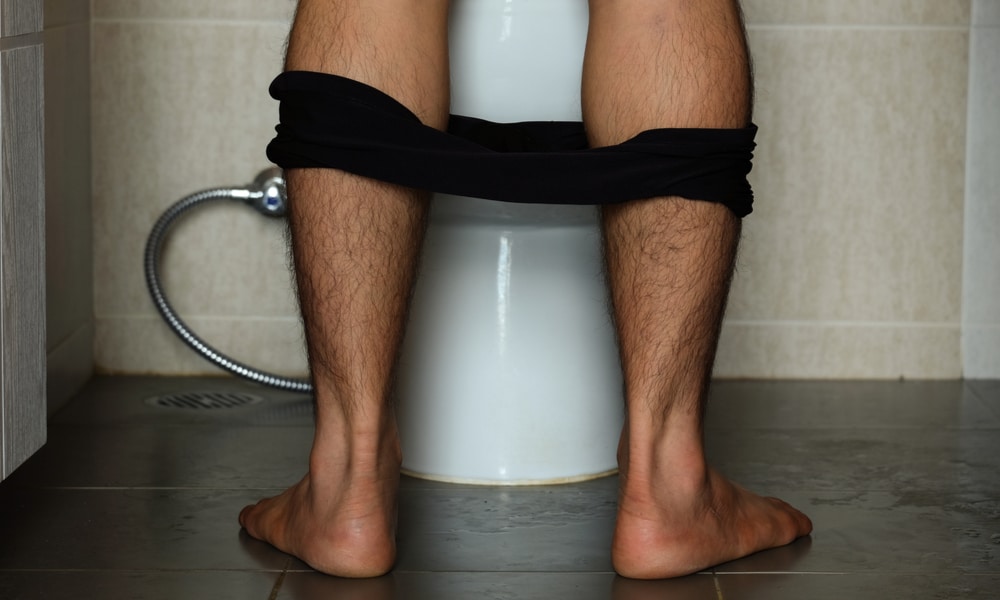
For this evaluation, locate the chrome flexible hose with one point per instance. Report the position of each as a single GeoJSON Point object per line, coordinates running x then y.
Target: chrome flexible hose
{"type": "Point", "coordinates": [266, 195]}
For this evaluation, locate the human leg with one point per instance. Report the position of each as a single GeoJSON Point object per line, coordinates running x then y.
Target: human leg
{"type": "Point", "coordinates": [668, 63]}
{"type": "Point", "coordinates": [355, 244]}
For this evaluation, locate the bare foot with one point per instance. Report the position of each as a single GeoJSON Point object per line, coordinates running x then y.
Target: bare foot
{"type": "Point", "coordinates": [340, 519]}
{"type": "Point", "coordinates": [681, 525]}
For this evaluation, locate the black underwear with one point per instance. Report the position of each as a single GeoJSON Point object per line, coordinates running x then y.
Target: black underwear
{"type": "Point", "coordinates": [329, 121]}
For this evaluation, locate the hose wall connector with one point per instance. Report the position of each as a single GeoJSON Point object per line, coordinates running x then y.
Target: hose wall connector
{"type": "Point", "coordinates": [268, 194]}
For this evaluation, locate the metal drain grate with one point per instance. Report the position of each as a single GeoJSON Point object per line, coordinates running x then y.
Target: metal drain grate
{"type": "Point", "coordinates": [204, 400]}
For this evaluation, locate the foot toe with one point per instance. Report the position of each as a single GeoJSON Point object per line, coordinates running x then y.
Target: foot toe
{"type": "Point", "coordinates": [244, 517]}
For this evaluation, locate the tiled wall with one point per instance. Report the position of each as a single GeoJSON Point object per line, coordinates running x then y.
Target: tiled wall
{"type": "Point", "coordinates": [852, 262]}
{"type": "Point", "coordinates": [851, 265]}
{"type": "Point", "coordinates": [68, 230]}
{"type": "Point", "coordinates": [181, 104]}
{"type": "Point", "coordinates": [981, 309]}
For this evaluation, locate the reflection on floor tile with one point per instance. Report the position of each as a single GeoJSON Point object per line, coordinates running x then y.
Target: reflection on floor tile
{"type": "Point", "coordinates": [189, 456]}
{"type": "Point", "coordinates": [121, 401]}
{"type": "Point", "coordinates": [919, 532]}
{"type": "Point", "coordinates": [554, 529]}
{"type": "Point", "coordinates": [131, 529]}
{"type": "Point", "coordinates": [741, 405]}
{"type": "Point", "coordinates": [900, 460]}
{"type": "Point", "coordinates": [136, 585]}
{"type": "Point", "coordinates": [132, 501]}
{"type": "Point", "coordinates": [988, 391]}
{"type": "Point", "coordinates": [912, 586]}
{"type": "Point", "coordinates": [404, 585]}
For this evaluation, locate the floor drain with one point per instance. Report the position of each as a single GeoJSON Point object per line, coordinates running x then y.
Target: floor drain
{"type": "Point", "coordinates": [204, 400]}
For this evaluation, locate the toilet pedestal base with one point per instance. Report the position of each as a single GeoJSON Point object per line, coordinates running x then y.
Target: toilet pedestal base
{"type": "Point", "coordinates": [509, 372]}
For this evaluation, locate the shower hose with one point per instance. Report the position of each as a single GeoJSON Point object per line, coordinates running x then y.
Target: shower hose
{"type": "Point", "coordinates": [267, 196]}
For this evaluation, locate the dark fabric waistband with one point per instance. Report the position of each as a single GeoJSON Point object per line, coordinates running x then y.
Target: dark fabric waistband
{"type": "Point", "coordinates": [328, 121]}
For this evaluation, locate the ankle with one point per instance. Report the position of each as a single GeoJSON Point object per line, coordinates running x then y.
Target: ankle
{"type": "Point", "coordinates": [672, 461]}
{"type": "Point", "coordinates": [656, 483]}
{"type": "Point", "coordinates": [356, 453]}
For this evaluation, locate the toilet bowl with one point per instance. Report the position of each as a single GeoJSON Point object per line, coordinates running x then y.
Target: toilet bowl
{"type": "Point", "coordinates": [509, 372]}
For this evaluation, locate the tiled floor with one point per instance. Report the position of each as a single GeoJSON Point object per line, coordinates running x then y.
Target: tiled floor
{"type": "Point", "coordinates": [902, 480]}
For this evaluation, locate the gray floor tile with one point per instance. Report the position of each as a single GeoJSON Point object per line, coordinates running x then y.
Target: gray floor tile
{"type": "Point", "coordinates": [136, 585]}
{"type": "Point", "coordinates": [120, 401]}
{"type": "Point", "coordinates": [702, 585]}
{"type": "Point", "coordinates": [64, 529]}
{"type": "Point", "coordinates": [738, 405]}
{"type": "Point", "coordinates": [559, 528]}
{"type": "Point", "coordinates": [446, 527]}
{"type": "Point", "coordinates": [496, 586]}
{"type": "Point", "coordinates": [899, 478]}
{"type": "Point", "coordinates": [200, 456]}
{"type": "Point", "coordinates": [864, 532]}
{"type": "Point", "coordinates": [912, 586]}
{"type": "Point", "coordinates": [987, 390]}
{"type": "Point", "coordinates": [899, 460]}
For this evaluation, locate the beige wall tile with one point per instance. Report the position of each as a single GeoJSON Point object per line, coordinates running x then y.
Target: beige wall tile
{"type": "Point", "coordinates": [865, 12]}
{"type": "Point", "coordinates": [981, 351]}
{"type": "Point", "coordinates": [982, 250]}
{"type": "Point", "coordinates": [239, 10]}
{"type": "Point", "coordinates": [851, 264]}
{"type": "Point", "coordinates": [896, 12]}
{"type": "Point", "coordinates": [857, 12]}
{"type": "Point", "coordinates": [66, 12]}
{"type": "Point", "coordinates": [226, 259]}
{"type": "Point", "coordinates": [69, 256]}
{"type": "Point", "coordinates": [68, 223]}
{"type": "Point", "coordinates": [182, 108]}
{"type": "Point", "coordinates": [981, 281]}
{"type": "Point", "coordinates": [986, 13]}
{"type": "Point", "coordinates": [767, 350]}
{"type": "Point", "coordinates": [810, 268]}
{"type": "Point", "coordinates": [859, 177]}
{"type": "Point", "coordinates": [145, 345]}
{"type": "Point", "coordinates": [860, 351]}
{"type": "Point", "coordinates": [69, 366]}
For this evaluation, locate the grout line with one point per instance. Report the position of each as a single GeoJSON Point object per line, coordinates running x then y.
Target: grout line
{"type": "Point", "coordinates": [718, 586]}
{"type": "Point", "coordinates": [416, 488]}
{"type": "Point", "coordinates": [133, 570]}
{"type": "Point", "coordinates": [187, 22]}
{"type": "Point", "coordinates": [278, 582]}
{"type": "Point", "coordinates": [496, 571]}
{"type": "Point", "coordinates": [813, 573]}
{"type": "Point", "coordinates": [727, 322]}
{"type": "Point", "coordinates": [226, 22]}
{"type": "Point", "coordinates": [981, 325]}
{"type": "Point", "coordinates": [64, 26]}
{"type": "Point", "coordinates": [150, 488]}
{"type": "Point", "coordinates": [845, 324]}
{"type": "Point", "coordinates": [209, 317]}
{"type": "Point", "coordinates": [283, 572]}
{"type": "Point", "coordinates": [916, 28]}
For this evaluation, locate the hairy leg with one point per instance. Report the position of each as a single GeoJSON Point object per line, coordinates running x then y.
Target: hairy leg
{"type": "Point", "coordinates": [673, 63]}
{"type": "Point", "coordinates": [355, 244]}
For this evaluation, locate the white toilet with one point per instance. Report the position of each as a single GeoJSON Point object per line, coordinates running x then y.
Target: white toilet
{"type": "Point", "coordinates": [509, 373]}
